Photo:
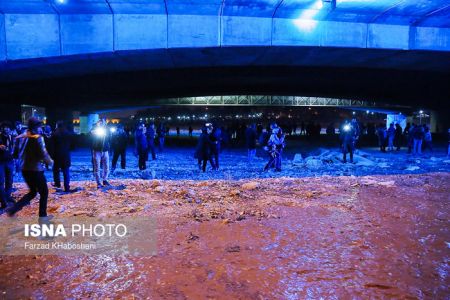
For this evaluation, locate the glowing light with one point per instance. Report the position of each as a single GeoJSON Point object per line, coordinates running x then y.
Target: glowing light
{"type": "Point", "coordinates": [113, 129]}
{"type": "Point", "coordinates": [347, 127]}
{"type": "Point", "coordinates": [305, 21]}
{"type": "Point", "coordinates": [60, 1]}
{"type": "Point", "coordinates": [421, 112]}
{"type": "Point", "coordinates": [354, 113]}
{"type": "Point", "coordinates": [100, 131]}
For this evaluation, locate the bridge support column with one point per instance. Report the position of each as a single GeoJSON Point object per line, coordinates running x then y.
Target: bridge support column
{"type": "Point", "coordinates": [438, 122]}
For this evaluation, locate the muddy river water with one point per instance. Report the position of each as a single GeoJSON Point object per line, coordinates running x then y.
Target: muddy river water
{"type": "Point", "coordinates": [327, 237]}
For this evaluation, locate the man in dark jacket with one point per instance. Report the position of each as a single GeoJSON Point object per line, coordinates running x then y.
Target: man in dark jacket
{"type": "Point", "coordinates": [61, 142]}
{"type": "Point", "coordinates": [382, 135]}
{"type": "Point", "coordinates": [215, 137]}
{"type": "Point", "coordinates": [398, 136]}
{"type": "Point", "coordinates": [348, 138]}
{"type": "Point", "coordinates": [18, 130]}
{"type": "Point", "coordinates": [141, 146]}
{"type": "Point", "coordinates": [6, 165]}
{"type": "Point", "coordinates": [119, 143]}
{"type": "Point", "coordinates": [418, 136]}
{"type": "Point", "coordinates": [31, 148]}
{"type": "Point", "coordinates": [100, 152]}
{"type": "Point", "coordinates": [203, 151]}
{"type": "Point", "coordinates": [161, 131]}
{"type": "Point", "coordinates": [151, 139]}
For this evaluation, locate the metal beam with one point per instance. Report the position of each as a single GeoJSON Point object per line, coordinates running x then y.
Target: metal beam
{"type": "Point", "coordinates": [259, 100]}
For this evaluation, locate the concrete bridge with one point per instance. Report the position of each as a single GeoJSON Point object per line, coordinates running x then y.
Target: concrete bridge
{"type": "Point", "coordinates": [82, 50]}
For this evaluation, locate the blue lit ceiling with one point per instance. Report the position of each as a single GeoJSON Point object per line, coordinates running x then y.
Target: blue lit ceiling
{"type": "Point", "coordinates": [152, 33]}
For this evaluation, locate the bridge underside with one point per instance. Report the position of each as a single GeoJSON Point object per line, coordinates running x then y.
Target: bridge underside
{"type": "Point", "coordinates": [139, 77]}
{"type": "Point", "coordinates": [116, 52]}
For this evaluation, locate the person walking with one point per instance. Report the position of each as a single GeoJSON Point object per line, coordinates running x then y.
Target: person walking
{"type": "Point", "coordinates": [101, 144]}
{"type": "Point", "coordinates": [31, 149]}
{"type": "Point", "coordinates": [61, 143]}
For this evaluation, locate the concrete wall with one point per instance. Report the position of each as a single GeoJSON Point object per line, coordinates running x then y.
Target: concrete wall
{"type": "Point", "coordinates": [140, 31]}
{"type": "Point", "coordinates": [86, 33]}
{"type": "Point", "coordinates": [30, 36]}
{"type": "Point", "coordinates": [49, 33]}
{"type": "Point", "coordinates": [2, 38]}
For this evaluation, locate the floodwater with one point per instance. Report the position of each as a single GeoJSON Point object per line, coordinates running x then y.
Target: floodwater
{"type": "Point", "coordinates": [327, 237]}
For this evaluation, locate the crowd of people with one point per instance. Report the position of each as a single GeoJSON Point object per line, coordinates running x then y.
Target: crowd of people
{"type": "Point", "coordinates": [416, 137]}
{"type": "Point", "coordinates": [36, 148]}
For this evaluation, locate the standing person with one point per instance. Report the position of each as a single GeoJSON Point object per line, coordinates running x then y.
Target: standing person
{"type": "Point", "coordinates": [203, 150]}
{"type": "Point", "coordinates": [215, 136]}
{"type": "Point", "coordinates": [119, 142]}
{"type": "Point", "coordinates": [190, 130]}
{"type": "Point", "coordinates": [407, 129]}
{"type": "Point", "coordinates": [391, 137]}
{"type": "Point", "coordinates": [418, 135]}
{"type": "Point", "coordinates": [382, 134]}
{"type": "Point", "coordinates": [61, 141]}
{"type": "Point", "coordinates": [6, 165]}
{"type": "Point", "coordinates": [178, 131]}
{"type": "Point", "coordinates": [250, 138]}
{"type": "Point", "coordinates": [141, 146]}
{"type": "Point", "coordinates": [101, 143]}
{"type": "Point", "coordinates": [302, 129]}
{"type": "Point", "coordinates": [161, 132]}
{"type": "Point", "coordinates": [428, 139]}
{"type": "Point", "coordinates": [31, 148]}
{"type": "Point", "coordinates": [275, 147]}
{"type": "Point", "coordinates": [151, 139]}
{"type": "Point", "coordinates": [356, 132]}
{"type": "Point", "coordinates": [348, 137]}
{"type": "Point", "coordinates": [19, 129]}
{"type": "Point", "coordinates": [331, 131]}
{"type": "Point", "coordinates": [47, 134]}
{"type": "Point", "coordinates": [410, 137]}
{"type": "Point", "coordinates": [398, 136]}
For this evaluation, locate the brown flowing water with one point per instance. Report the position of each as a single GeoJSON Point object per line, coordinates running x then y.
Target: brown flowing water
{"type": "Point", "coordinates": [309, 238]}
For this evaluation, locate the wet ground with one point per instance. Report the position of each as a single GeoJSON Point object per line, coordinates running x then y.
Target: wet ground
{"type": "Point", "coordinates": [330, 237]}
{"type": "Point", "coordinates": [310, 161]}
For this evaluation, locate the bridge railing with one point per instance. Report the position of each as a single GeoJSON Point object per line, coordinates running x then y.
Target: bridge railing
{"type": "Point", "coordinates": [259, 100]}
